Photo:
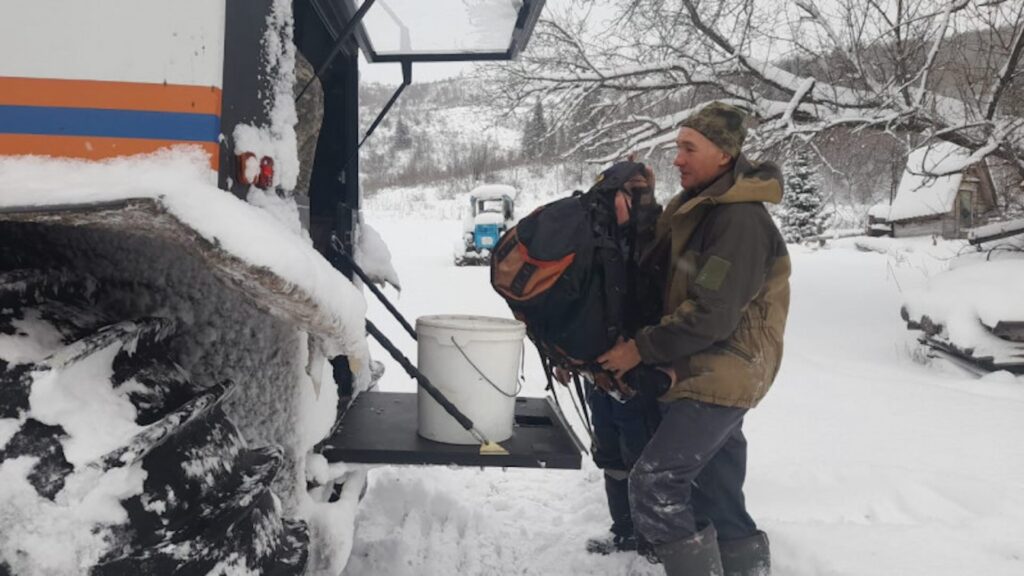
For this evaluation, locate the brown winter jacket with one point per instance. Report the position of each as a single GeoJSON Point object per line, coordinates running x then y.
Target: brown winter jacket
{"type": "Point", "coordinates": [725, 272]}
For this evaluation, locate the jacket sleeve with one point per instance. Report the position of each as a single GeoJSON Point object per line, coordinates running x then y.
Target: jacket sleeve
{"type": "Point", "coordinates": [731, 270]}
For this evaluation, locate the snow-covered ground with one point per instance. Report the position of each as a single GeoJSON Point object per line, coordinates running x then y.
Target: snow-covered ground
{"type": "Point", "coordinates": [863, 461]}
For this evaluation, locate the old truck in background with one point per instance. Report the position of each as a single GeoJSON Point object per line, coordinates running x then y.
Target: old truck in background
{"type": "Point", "coordinates": [491, 212]}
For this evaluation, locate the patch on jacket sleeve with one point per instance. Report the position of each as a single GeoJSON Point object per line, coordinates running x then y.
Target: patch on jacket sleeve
{"type": "Point", "coordinates": [713, 274]}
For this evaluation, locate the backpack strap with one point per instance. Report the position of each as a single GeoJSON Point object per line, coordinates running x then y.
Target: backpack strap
{"type": "Point", "coordinates": [584, 413]}
{"type": "Point", "coordinates": [609, 258]}
{"type": "Point", "coordinates": [613, 276]}
{"type": "Point", "coordinates": [546, 364]}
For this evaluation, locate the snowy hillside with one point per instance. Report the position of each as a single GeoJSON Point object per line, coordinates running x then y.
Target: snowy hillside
{"type": "Point", "coordinates": [435, 132]}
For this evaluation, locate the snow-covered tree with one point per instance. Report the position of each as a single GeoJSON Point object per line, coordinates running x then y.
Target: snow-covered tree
{"type": "Point", "coordinates": [403, 138]}
{"type": "Point", "coordinates": [943, 69]}
{"type": "Point", "coordinates": [801, 211]}
{"type": "Point", "coordinates": [534, 144]}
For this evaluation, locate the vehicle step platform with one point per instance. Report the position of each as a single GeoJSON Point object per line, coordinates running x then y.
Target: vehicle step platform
{"type": "Point", "coordinates": [380, 428]}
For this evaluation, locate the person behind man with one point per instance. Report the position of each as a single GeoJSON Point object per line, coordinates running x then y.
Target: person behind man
{"type": "Point", "coordinates": [622, 420]}
{"type": "Point", "coordinates": [725, 273]}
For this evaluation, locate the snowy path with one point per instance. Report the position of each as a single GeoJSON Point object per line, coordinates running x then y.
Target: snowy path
{"type": "Point", "coordinates": [862, 462]}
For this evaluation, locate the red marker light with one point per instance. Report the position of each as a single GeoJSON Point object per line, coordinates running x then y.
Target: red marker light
{"type": "Point", "coordinates": [247, 172]}
{"type": "Point", "coordinates": [265, 179]}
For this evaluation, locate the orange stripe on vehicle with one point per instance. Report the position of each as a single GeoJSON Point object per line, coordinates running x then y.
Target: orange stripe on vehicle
{"type": "Point", "coordinates": [93, 148]}
{"type": "Point", "coordinates": [110, 95]}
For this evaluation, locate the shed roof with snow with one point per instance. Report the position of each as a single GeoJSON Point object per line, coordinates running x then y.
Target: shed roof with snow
{"type": "Point", "coordinates": [919, 194]}
{"type": "Point", "coordinates": [880, 210]}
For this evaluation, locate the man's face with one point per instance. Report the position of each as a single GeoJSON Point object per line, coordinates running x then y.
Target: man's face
{"type": "Point", "coordinates": [698, 159]}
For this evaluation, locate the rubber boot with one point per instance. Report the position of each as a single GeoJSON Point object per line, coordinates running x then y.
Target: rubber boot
{"type": "Point", "coordinates": [621, 538]}
{"type": "Point", "coordinates": [697, 555]}
{"type": "Point", "coordinates": [746, 557]}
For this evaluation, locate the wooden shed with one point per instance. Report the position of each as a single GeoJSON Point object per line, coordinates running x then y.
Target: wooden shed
{"type": "Point", "coordinates": [948, 206]}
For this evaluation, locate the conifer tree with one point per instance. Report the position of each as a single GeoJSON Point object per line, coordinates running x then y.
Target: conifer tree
{"type": "Point", "coordinates": [536, 128]}
{"type": "Point", "coordinates": [802, 203]}
{"type": "Point", "coordinates": [403, 138]}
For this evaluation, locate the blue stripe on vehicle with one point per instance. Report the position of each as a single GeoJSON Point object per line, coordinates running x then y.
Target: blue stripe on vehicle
{"type": "Point", "coordinates": [48, 121]}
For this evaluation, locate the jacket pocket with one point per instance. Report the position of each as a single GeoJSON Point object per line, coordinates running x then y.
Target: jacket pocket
{"type": "Point", "coordinates": [772, 351]}
{"type": "Point", "coordinates": [731, 348]}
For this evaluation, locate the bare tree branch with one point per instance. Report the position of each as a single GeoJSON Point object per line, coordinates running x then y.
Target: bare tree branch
{"type": "Point", "coordinates": [1009, 68]}
{"type": "Point", "coordinates": [894, 66]}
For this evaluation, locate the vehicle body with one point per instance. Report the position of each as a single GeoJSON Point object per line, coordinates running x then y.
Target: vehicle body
{"type": "Point", "coordinates": [138, 288]}
{"type": "Point", "coordinates": [491, 212]}
{"type": "Point", "coordinates": [126, 252]}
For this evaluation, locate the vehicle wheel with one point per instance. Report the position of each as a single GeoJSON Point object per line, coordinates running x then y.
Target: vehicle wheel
{"type": "Point", "coordinates": [205, 503]}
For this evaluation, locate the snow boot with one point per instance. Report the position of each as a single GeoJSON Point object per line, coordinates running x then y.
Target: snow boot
{"type": "Point", "coordinates": [697, 555]}
{"type": "Point", "coordinates": [747, 556]}
{"type": "Point", "coordinates": [611, 544]}
{"type": "Point", "coordinates": [621, 538]}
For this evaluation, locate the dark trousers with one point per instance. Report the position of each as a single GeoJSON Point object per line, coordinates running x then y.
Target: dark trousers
{"type": "Point", "coordinates": [621, 431]}
{"type": "Point", "coordinates": [691, 474]}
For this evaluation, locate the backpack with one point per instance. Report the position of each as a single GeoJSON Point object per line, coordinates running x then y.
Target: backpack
{"type": "Point", "coordinates": [562, 272]}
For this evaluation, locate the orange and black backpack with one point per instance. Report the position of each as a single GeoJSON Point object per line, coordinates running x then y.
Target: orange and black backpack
{"type": "Point", "coordinates": [563, 273]}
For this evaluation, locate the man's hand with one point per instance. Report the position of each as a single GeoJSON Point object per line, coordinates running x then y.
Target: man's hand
{"type": "Point", "coordinates": [644, 209]}
{"type": "Point", "coordinates": [622, 358]}
{"type": "Point", "coordinates": [649, 174]}
{"type": "Point", "coordinates": [640, 186]}
{"type": "Point", "coordinates": [605, 382]}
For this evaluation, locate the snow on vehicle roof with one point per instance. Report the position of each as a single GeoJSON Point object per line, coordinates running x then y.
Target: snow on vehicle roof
{"type": "Point", "coordinates": [178, 183]}
{"type": "Point", "coordinates": [489, 218]}
{"type": "Point", "coordinates": [492, 192]}
{"type": "Point", "coordinates": [921, 195]}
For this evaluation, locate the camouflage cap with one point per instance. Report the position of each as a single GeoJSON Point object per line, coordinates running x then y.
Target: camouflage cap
{"type": "Point", "coordinates": [722, 124]}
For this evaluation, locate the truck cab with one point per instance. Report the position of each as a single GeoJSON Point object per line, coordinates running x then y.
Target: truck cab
{"type": "Point", "coordinates": [491, 213]}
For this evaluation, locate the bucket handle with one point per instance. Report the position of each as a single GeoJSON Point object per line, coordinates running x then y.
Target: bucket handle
{"type": "Point", "coordinates": [519, 384]}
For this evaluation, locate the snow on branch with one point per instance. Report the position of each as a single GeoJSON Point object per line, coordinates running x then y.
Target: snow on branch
{"type": "Point", "coordinates": [625, 85]}
{"type": "Point", "coordinates": [1005, 75]}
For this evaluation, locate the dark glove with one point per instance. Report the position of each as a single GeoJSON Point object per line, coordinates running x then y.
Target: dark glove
{"type": "Point", "coordinates": [646, 218]}
{"type": "Point", "coordinates": [648, 381]}
{"type": "Point", "coordinates": [645, 208]}
{"type": "Point", "coordinates": [608, 384]}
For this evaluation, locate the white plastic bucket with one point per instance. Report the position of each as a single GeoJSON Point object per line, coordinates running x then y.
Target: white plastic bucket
{"type": "Point", "coordinates": [459, 354]}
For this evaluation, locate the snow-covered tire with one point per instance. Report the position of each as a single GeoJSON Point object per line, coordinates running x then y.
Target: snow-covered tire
{"type": "Point", "coordinates": [205, 505]}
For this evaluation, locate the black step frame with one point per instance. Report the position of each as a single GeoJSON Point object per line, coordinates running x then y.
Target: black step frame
{"type": "Point", "coordinates": [380, 428]}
